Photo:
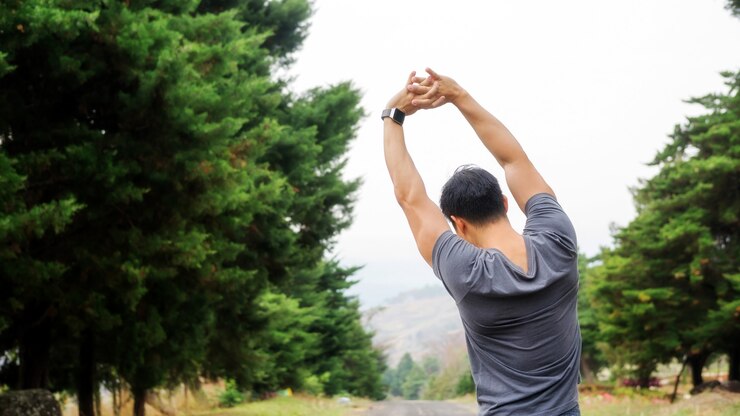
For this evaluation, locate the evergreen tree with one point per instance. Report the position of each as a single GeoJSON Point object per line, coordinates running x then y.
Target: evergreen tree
{"type": "Point", "coordinates": [414, 383]}
{"type": "Point", "coordinates": [163, 199]}
{"type": "Point", "coordinates": [431, 365]}
{"type": "Point", "coordinates": [344, 357]}
{"type": "Point", "coordinates": [592, 359]}
{"type": "Point", "coordinates": [734, 7]}
{"type": "Point", "coordinates": [670, 286]}
{"type": "Point", "coordinates": [398, 376]}
{"type": "Point", "coordinates": [465, 384]}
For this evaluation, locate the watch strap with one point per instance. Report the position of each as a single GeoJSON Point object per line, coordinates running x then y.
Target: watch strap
{"type": "Point", "coordinates": [395, 114]}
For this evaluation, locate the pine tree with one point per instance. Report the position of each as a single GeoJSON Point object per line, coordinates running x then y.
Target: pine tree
{"type": "Point", "coordinates": [592, 359]}
{"type": "Point", "coordinates": [165, 202]}
{"type": "Point", "coordinates": [670, 289]}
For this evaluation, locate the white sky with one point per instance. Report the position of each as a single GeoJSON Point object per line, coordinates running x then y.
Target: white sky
{"type": "Point", "coordinates": [590, 88]}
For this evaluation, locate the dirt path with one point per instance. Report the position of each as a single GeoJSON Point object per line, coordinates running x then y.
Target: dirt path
{"type": "Point", "coordinates": [418, 408]}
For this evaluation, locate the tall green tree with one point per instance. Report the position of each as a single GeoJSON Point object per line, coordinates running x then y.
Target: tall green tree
{"type": "Point", "coordinates": [25, 315]}
{"type": "Point", "coordinates": [163, 199]}
{"type": "Point", "coordinates": [415, 381]}
{"type": "Point", "coordinates": [592, 358]}
{"type": "Point", "coordinates": [397, 376]}
{"type": "Point", "coordinates": [669, 288]}
{"type": "Point", "coordinates": [734, 7]}
{"type": "Point", "coordinates": [102, 107]}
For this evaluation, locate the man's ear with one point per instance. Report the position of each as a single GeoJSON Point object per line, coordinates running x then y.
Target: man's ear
{"type": "Point", "coordinates": [459, 224]}
{"type": "Point", "coordinates": [506, 204]}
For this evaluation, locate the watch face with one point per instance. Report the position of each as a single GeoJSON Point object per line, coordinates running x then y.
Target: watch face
{"type": "Point", "coordinates": [398, 115]}
{"type": "Point", "coordinates": [395, 114]}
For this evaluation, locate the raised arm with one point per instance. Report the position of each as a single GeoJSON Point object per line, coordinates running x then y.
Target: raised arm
{"type": "Point", "coordinates": [521, 176]}
{"type": "Point", "coordinates": [424, 217]}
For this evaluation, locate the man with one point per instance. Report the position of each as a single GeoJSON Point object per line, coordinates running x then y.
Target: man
{"type": "Point", "coordinates": [516, 293]}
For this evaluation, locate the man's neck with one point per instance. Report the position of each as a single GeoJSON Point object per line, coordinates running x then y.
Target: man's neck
{"type": "Point", "coordinates": [499, 234]}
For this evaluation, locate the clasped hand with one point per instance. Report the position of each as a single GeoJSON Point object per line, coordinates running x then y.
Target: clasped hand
{"type": "Point", "coordinates": [425, 92]}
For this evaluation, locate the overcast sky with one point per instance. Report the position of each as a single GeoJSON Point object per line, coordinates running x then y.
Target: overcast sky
{"type": "Point", "coordinates": [590, 88]}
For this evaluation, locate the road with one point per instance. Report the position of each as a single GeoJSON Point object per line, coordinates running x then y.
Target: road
{"type": "Point", "coordinates": [419, 408]}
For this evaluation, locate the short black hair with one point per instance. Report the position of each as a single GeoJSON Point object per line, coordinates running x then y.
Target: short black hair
{"type": "Point", "coordinates": [472, 194]}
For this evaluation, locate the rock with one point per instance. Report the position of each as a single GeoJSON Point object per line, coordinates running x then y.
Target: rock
{"type": "Point", "coordinates": [29, 403]}
{"type": "Point", "coordinates": [345, 401]}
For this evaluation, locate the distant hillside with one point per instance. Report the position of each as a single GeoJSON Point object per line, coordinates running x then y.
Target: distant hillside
{"type": "Point", "coordinates": [421, 322]}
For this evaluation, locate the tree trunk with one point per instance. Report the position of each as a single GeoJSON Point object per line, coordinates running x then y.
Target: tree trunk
{"type": "Point", "coordinates": [98, 402]}
{"type": "Point", "coordinates": [86, 375]}
{"type": "Point", "coordinates": [139, 402]}
{"type": "Point", "coordinates": [115, 400]}
{"type": "Point", "coordinates": [643, 375]}
{"type": "Point", "coordinates": [678, 379]}
{"type": "Point", "coordinates": [586, 372]}
{"type": "Point", "coordinates": [696, 362]}
{"type": "Point", "coordinates": [34, 349]}
{"type": "Point", "coordinates": [734, 358]}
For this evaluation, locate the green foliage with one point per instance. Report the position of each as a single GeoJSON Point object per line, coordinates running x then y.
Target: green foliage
{"type": "Point", "coordinates": [396, 377]}
{"type": "Point", "coordinates": [465, 384]}
{"type": "Point", "coordinates": [230, 396]}
{"type": "Point", "coordinates": [313, 385]}
{"type": "Point", "coordinates": [444, 384]}
{"type": "Point", "coordinates": [165, 200]}
{"type": "Point", "coordinates": [285, 342]}
{"type": "Point", "coordinates": [430, 365]}
{"type": "Point", "coordinates": [343, 356]}
{"type": "Point", "coordinates": [668, 287]}
{"type": "Point", "coordinates": [592, 356]}
{"type": "Point", "coordinates": [734, 7]}
{"type": "Point", "coordinates": [413, 383]}
{"type": "Point", "coordinates": [427, 379]}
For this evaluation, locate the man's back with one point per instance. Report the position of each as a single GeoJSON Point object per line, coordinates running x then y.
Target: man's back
{"type": "Point", "coordinates": [521, 327]}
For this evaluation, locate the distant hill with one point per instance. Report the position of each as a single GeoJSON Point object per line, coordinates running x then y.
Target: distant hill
{"type": "Point", "coordinates": [421, 322]}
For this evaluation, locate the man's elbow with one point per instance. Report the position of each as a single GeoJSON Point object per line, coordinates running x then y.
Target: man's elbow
{"type": "Point", "coordinates": [404, 196]}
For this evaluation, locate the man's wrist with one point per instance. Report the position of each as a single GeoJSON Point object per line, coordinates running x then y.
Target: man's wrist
{"type": "Point", "coordinates": [394, 114]}
{"type": "Point", "coordinates": [460, 97]}
{"type": "Point", "coordinates": [402, 107]}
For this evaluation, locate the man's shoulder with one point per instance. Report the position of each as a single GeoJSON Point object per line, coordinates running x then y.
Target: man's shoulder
{"type": "Point", "coordinates": [548, 223]}
{"type": "Point", "coordinates": [539, 200]}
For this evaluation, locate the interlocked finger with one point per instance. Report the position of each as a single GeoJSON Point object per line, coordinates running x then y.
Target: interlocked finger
{"type": "Point", "coordinates": [429, 99]}
{"type": "Point", "coordinates": [411, 78]}
{"type": "Point", "coordinates": [419, 89]}
{"type": "Point", "coordinates": [432, 93]}
{"type": "Point", "coordinates": [425, 81]}
{"type": "Point", "coordinates": [440, 101]}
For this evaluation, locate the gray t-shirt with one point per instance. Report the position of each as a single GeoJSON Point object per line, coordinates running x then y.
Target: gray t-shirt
{"type": "Point", "coordinates": [521, 328]}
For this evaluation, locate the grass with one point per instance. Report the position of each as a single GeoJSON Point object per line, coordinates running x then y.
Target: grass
{"type": "Point", "coordinates": [617, 402]}
{"type": "Point", "coordinates": [705, 404]}
{"type": "Point", "coordinates": [287, 406]}
{"type": "Point", "coordinates": [627, 402]}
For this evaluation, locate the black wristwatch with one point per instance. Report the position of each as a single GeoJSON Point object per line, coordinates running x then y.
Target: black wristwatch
{"type": "Point", "coordinates": [395, 115]}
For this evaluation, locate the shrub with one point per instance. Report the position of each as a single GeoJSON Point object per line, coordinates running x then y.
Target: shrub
{"type": "Point", "coordinates": [313, 385]}
{"type": "Point", "coordinates": [231, 396]}
{"type": "Point", "coordinates": [465, 384]}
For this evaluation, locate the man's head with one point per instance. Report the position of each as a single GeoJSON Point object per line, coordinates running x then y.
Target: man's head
{"type": "Point", "coordinates": [474, 195]}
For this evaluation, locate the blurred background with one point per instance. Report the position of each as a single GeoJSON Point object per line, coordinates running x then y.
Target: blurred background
{"type": "Point", "coordinates": [195, 211]}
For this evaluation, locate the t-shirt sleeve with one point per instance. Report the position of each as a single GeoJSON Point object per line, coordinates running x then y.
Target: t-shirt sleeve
{"type": "Point", "coordinates": [453, 261]}
{"type": "Point", "coordinates": [545, 216]}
